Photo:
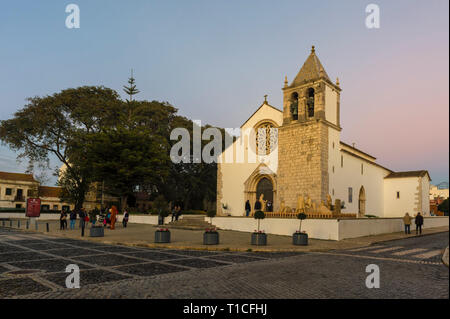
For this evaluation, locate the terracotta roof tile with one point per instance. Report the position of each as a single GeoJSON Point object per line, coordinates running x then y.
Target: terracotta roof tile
{"type": "Point", "coordinates": [17, 177]}
{"type": "Point", "coordinates": [408, 174]}
{"type": "Point", "coordinates": [48, 191]}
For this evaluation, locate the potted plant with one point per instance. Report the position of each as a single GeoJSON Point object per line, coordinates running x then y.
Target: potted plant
{"type": "Point", "coordinates": [299, 237]}
{"type": "Point", "coordinates": [211, 237]}
{"type": "Point", "coordinates": [259, 237]}
{"type": "Point", "coordinates": [97, 231]}
{"type": "Point", "coordinates": [162, 235]}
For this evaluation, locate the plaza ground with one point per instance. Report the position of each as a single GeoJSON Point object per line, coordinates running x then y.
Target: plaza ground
{"type": "Point", "coordinates": [142, 235]}
{"type": "Point", "coordinates": [32, 265]}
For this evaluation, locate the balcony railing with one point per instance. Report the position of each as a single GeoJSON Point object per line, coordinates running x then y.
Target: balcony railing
{"type": "Point", "coordinates": [19, 198]}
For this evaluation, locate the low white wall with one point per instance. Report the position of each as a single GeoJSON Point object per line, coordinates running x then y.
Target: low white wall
{"type": "Point", "coordinates": [146, 219]}
{"type": "Point", "coordinates": [331, 229]}
{"type": "Point", "coordinates": [316, 228]}
{"type": "Point", "coordinates": [22, 215]}
{"type": "Point", "coordinates": [352, 228]}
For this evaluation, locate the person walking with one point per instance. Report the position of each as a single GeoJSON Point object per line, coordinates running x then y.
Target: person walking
{"type": "Point", "coordinates": [125, 218]}
{"type": "Point", "coordinates": [419, 223]}
{"type": "Point", "coordinates": [73, 219]}
{"type": "Point", "coordinates": [174, 212]}
{"type": "Point", "coordinates": [178, 212]}
{"type": "Point", "coordinates": [407, 222]}
{"type": "Point", "coordinates": [248, 208]}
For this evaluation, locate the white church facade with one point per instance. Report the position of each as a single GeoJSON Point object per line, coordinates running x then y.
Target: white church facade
{"type": "Point", "coordinates": [305, 158]}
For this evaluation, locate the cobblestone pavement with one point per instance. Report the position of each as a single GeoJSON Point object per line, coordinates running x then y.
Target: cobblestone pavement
{"type": "Point", "coordinates": [33, 266]}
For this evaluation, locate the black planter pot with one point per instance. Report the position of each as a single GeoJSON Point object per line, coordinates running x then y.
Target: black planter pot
{"type": "Point", "coordinates": [300, 239]}
{"type": "Point", "coordinates": [97, 232]}
{"type": "Point", "coordinates": [162, 236]}
{"type": "Point", "coordinates": [259, 239]}
{"type": "Point", "coordinates": [210, 238]}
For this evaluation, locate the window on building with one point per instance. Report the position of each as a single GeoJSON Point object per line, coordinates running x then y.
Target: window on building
{"type": "Point", "coordinates": [310, 102]}
{"type": "Point", "coordinates": [332, 192]}
{"type": "Point", "coordinates": [398, 194]}
{"type": "Point", "coordinates": [362, 168]}
{"type": "Point", "coordinates": [333, 168]}
{"type": "Point", "coordinates": [29, 193]}
{"type": "Point", "coordinates": [333, 145]}
{"type": "Point", "coordinates": [8, 191]}
{"type": "Point", "coordinates": [266, 138]}
{"type": "Point", "coordinates": [45, 207]}
{"type": "Point", "coordinates": [350, 195]}
{"type": "Point", "coordinates": [55, 207]}
{"type": "Point", "coordinates": [18, 205]}
{"type": "Point", "coordinates": [66, 208]}
{"type": "Point", "coordinates": [342, 160]}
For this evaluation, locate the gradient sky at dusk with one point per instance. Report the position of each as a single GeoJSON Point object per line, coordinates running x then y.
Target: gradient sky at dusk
{"type": "Point", "coordinates": [215, 60]}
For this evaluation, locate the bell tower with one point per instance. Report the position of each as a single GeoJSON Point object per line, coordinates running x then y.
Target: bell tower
{"type": "Point", "coordinates": [310, 131]}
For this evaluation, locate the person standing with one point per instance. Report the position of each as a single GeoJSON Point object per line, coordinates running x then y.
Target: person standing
{"type": "Point", "coordinates": [82, 214]}
{"type": "Point", "coordinates": [73, 219]}
{"type": "Point", "coordinates": [248, 208]}
{"type": "Point", "coordinates": [113, 217]}
{"type": "Point", "coordinates": [174, 212]}
{"type": "Point", "coordinates": [407, 222]}
{"type": "Point", "coordinates": [62, 219]}
{"type": "Point", "coordinates": [125, 218]}
{"type": "Point", "coordinates": [419, 223]}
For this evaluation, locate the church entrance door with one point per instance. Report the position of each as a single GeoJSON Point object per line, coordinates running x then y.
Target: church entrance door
{"type": "Point", "coordinates": [265, 187]}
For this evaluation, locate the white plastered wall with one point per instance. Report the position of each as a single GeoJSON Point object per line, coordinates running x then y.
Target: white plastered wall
{"type": "Point", "coordinates": [330, 105]}
{"type": "Point", "coordinates": [350, 175]}
{"type": "Point", "coordinates": [235, 174]}
{"type": "Point", "coordinates": [407, 202]}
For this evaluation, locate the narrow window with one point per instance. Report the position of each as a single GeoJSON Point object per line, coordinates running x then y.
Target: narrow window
{"type": "Point", "coordinates": [333, 169]}
{"type": "Point", "coordinates": [310, 102]}
{"type": "Point", "coordinates": [342, 161]}
{"type": "Point", "coordinates": [398, 195]}
{"type": "Point", "coordinates": [332, 192]}
{"type": "Point", "coordinates": [362, 169]}
{"type": "Point", "coordinates": [350, 195]}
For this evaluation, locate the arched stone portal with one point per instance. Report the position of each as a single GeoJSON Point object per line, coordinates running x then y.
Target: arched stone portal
{"type": "Point", "coordinates": [362, 202]}
{"type": "Point", "coordinates": [265, 187]}
{"type": "Point", "coordinates": [261, 181]}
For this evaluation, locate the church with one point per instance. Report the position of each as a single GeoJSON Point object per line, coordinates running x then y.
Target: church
{"type": "Point", "coordinates": [301, 160]}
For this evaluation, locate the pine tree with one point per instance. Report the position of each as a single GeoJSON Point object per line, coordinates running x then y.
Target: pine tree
{"type": "Point", "coordinates": [131, 89]}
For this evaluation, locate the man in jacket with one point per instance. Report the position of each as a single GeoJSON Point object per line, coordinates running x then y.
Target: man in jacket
{"type": "Point", "coordinates": [419, 223]}
{"type": "Point", "coordinates": [73, 218]}
{"type": "Point", "coordinates": [247, 208]}
{"type": "Point", "coordinates": [407, 222]}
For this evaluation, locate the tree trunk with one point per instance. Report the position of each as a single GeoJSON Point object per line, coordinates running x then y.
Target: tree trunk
{"type": "Point", "coordinates": [123, 202]}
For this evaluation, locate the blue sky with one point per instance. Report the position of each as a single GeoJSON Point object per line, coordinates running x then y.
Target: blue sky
{"type": "Point", "coordinates": [215, 60]}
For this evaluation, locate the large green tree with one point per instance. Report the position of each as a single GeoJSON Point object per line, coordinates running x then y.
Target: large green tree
{"type": "Point", "coordinates": [57, 125]}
